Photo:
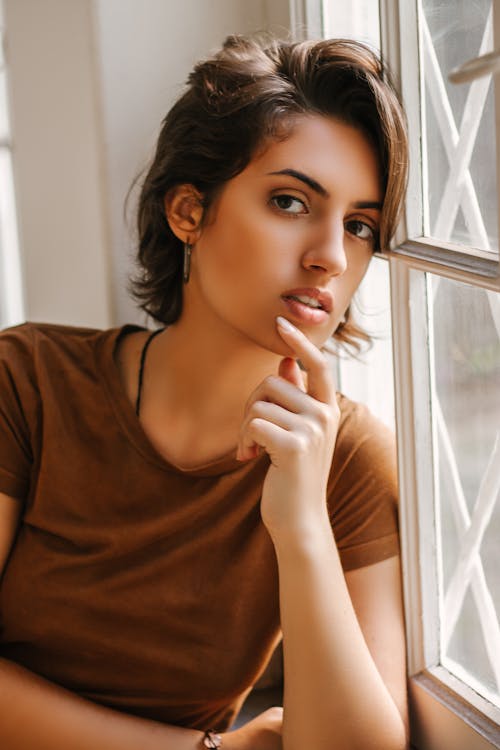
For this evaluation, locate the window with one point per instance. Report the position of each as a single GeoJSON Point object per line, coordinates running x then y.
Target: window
{"type": "Point", "coordinates": [11, 298]}
{"type": "Point", "coordinates": [445, 300]}
{"type": "Point", "coordinates": [446, 312]}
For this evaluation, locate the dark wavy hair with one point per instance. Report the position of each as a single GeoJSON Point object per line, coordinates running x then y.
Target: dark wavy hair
{"type": "Point", "coordinates": [247, 93]}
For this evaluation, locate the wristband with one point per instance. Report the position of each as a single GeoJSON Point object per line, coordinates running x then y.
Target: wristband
{"type": "Point", "coordinates": [212, 740]}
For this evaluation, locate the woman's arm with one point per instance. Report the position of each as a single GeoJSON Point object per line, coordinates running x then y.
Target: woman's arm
{"type": "Point", "coordinates": [344, 677]}
{"type": "Point", "coordinates": [39, 715]}
{"type": "Point", "coordinates": [340, 693]}
{"type": "Point", "coordinates": [376, 595]}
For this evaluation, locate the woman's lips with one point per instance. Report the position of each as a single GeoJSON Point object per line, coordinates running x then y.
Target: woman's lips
{"type": "Point", "coordinates": [305, 313]}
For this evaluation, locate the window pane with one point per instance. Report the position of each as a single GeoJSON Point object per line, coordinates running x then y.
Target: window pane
{"type": "Point", "coordinates": [466, 410]}
{"type": "Point", "coordinates": [459, 126]}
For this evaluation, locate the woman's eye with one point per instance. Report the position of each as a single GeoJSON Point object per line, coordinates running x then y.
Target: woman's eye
{"type": "Point", "coordinates": [289, 204]}
{"type": "Point", "coordinates": [361, 230]}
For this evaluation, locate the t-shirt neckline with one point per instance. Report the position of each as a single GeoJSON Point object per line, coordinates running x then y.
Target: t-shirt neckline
{"type": "Point", "coordinates": [125, 413]}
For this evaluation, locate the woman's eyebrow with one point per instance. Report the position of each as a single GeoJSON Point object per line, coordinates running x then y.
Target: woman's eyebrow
{"type": "Point", "coordinates": [313, 184]}
{"type": "Point", "coordinates": [369, 204]}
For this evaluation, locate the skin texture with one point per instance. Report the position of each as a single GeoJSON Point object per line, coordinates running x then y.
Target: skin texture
{"type": "Point", "coordinates": [257, 244]}
{"type": "Point", "coordinates": [225, 378]}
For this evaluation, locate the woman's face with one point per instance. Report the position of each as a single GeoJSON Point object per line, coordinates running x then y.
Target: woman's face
{"type": "Point", "coordinates": [291, 235]}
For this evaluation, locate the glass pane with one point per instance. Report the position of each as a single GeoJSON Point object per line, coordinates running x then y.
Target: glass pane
{"type": "Point", "coordinates": [465, 323]}
{"type": "Point", "coordinates": [459, 126]}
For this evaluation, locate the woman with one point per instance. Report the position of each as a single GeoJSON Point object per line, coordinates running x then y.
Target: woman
{"type": "Point", "coordinates": [176, 492]}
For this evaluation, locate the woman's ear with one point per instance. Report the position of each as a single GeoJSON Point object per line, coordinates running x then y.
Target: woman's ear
{"type": "Point", "coordinates": [184, 212]}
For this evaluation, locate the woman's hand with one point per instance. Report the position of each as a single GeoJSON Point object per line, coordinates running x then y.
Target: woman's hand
{"type": "Point", "coordinates": [297, 426]}
{"type": "Point", "coordinates": [261, 733]}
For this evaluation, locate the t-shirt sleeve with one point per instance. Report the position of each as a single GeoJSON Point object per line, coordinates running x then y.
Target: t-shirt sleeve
{"type": "Point", "coordinates": [362, 488]}
{"type": "Point", "coordinates": [19, 407]}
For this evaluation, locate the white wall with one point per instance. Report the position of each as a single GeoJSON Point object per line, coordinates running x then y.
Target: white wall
{"type": "Point", "coordinates": [90, 82]}
{"type": "Point", "coordinates": [57, 166]}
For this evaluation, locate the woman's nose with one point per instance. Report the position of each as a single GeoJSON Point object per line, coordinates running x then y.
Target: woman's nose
{"type": "Point", "coordinates": [327, 253]}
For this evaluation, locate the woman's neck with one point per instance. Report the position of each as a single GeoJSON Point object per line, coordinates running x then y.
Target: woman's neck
{"type": "Point", "coordinates": [192, 372]}
{"type": "Point", "coordinates": [197, 380]}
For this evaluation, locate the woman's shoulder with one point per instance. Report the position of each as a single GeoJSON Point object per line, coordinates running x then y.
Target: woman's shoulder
{"type": "Point", "coordinates": [362, 487]}
{"type": "Point", "coordinates": [25, 337]}
{"type": "Point", "coordinates": [356, 420]}
{"type": "Point", "coordinates": [30, 333]}
{"type": "Point", "coordinates": [365, 444]}
{"type": "Point", "coordinates": [34, 355]}
{"type": "Point", "coordinates": [32, 340]}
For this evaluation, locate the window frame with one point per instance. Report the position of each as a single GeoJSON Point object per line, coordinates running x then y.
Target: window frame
{"type": "Point", "coordinates": [446, 714]}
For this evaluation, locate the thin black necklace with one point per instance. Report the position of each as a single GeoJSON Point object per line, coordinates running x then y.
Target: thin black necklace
{"type": "Point", "coordinates": [141, 369]}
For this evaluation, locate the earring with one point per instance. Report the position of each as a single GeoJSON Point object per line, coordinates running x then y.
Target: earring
{"type": "Point", "coordinates": [187, 262]}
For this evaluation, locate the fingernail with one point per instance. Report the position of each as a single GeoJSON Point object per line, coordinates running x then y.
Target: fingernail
{"type": "Point", "coordinates": [285, 324]}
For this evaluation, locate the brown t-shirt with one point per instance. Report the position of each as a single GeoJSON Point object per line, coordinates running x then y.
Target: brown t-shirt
{"type": "Point", "coordinates": [137, 585]}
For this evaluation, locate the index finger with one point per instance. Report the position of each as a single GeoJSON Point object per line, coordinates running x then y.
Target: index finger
{"type": "Point", "coordinates": [321, 384]}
